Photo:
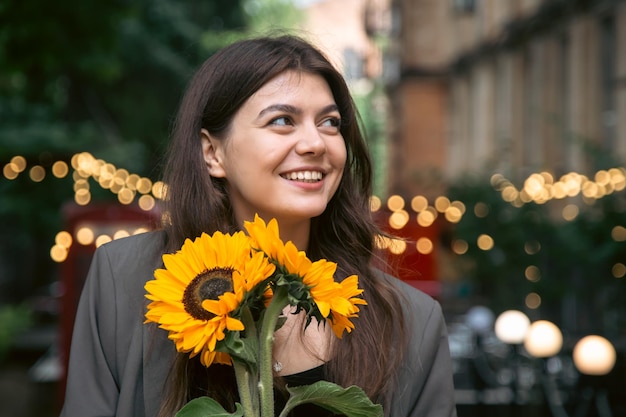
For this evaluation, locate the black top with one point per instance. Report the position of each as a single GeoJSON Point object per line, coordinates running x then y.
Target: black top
{"type": "Point", "coordinates": [307, 377]}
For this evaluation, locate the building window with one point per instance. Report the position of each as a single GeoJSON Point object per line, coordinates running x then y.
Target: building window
{"type": "Point", "coordinates": [609, 81]}
{"type": "Point", "coordinates": [353, 65]}
{"type": "Point", "coordinates": [464, 6]}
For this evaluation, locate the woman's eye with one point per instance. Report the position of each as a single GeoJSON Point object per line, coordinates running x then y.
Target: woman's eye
{"type": "Point", "coordinates": [281, 121]}
{"type": "Point", "coordinates": [332, 122]}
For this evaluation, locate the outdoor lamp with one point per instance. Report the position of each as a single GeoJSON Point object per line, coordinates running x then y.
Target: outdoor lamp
{"type": "Point", "coordinates": [480, 319]}
{"type": "Point", "coordinates": [544, 339]}
{"type": "Point", "coordinates": [511, 327]}
{"type": "Point", "coordinates": [594, 355]}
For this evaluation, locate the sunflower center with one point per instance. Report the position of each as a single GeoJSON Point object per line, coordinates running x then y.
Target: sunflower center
{"type": "Point", "coordinates": [208, 285]}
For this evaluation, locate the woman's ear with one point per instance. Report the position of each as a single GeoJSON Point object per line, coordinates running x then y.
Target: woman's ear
{"type": "Point", "coordinates": [212, 153]}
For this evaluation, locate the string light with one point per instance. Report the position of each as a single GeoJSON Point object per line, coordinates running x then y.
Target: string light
{"type": "Point", "coordinates": [460, 246]}
{"type": "Point", "coordinates": [395, 203]}
{"type": "Point", "coordinates": [485, 242]}
{"type": "Point", "coordinates": [419, 203]}
{"type": "Point", "coordinates": [539, 188]}
{"type": "Point", "coordinates": [398, 219]}
{"type": "Point", "coordinates": [85, 235]}
{"type": "Point", "coordinates": [127, 186]}
{"type": "Point", "coordinates": [533, 300]}
{"type": "Point", "coordinates": [532, 273]}
{"type": "Point", "coordinates": [424, 245]}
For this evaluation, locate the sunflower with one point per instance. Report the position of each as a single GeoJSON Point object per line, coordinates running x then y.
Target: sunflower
{"type": "Point", "coordinates": [332, 300]}
{"type": "Point", "coordinates": [197, 296]}
{"type": "Point", "coordinates": [336, 301]}
{"type": "Point", "coordinates": [344, 305]}
{"type": "Point", "coordinates": [266, 238]}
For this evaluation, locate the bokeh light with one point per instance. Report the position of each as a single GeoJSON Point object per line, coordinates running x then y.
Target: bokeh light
{"type": "Point", "coordinates": [544, 339]}
{"type": "Point", "coordinates": [37, 173]}
{"type": "Point", "coordinates": [395, 203]}
{"type": "Point", "coordinates": [532, 273]}
{"type": "Point", "coordinates": [594, 355]}
{"type": "Point", "coordinates": [424, 245]}
{"type": "Point", "coordinates": [85, 235]}
{"type": "Point", "coordinates": [512, 326]}
{"type": "Point", "coordinates": [426, 217]}
{"type": "Point", "coordinates": [60, 169]}
{"type": "Point", "coordinates": [375, 202]}
{"type": "Point", "coordinates": [532, 300]}
{"type": "Point", "coordinates": [398, 219]}
{"type": "Point", "coordinates": [460, 246]}
{"type": "Point", "coordinates": [485, 242]}
{"type": "Point", "coordinates": [618, 270]}
{"type": "Point", "coordinates": [419, 203]}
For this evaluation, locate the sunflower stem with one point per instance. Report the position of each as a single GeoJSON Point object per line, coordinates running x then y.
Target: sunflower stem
{"type": "Point", "coordinates": [247, 391]}
{"type": "Point", "coordinates": [246, 374]}
{"type": "Point", "coordinates": [266, 339]}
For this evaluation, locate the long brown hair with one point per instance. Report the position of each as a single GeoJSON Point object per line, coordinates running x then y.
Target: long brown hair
{"type": "Point", "coordinates": [343, 233]}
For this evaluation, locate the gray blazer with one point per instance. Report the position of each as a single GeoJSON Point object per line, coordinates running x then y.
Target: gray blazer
{"type": "Point", "coordinates": [118, 365]}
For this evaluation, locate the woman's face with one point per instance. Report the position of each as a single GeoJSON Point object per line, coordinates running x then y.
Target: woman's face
{"type": "Point", "coordinates": [284, 155]}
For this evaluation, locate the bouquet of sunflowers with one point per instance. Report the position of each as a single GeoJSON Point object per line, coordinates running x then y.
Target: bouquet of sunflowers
{"type": "Point", "coordinates": [221, 297]}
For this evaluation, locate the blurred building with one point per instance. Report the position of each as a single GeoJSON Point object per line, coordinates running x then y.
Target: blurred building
{"type": "Point", "coordinates": [345, 30]}
{"type": "Point", "coordinates": [514, 86]}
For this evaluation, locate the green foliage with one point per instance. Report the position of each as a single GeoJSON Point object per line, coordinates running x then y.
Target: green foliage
{"type": "Point", "coordinates": [351, 401]}
{"type": "Point", "coordinates": [89, 75]}
{"type": "Point", "coordinates": [574, 259]}
{"type": "Point", "coordinates": [207, 407]}
{"type": "Point", "coordinates": [266, 16]}
{"type": "Point", "coordinates": [497, 273]}
{"type": "Point", "coordinates": [85, 75]}
{"type": "Point", "coordinates": [243, 349]}
{"type": "Point", "coordinates": [14, 319]}
{"type": "Point", "coordinates": [371, 104]}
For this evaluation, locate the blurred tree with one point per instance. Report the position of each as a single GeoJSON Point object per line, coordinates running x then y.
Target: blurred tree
{"type": "Point", "coordinates": [266, 16]}
{"type": "Point", "coordinates": [100, 76]}
{"type": "Point", "coordinates": [14, 320]}
{"type": "Point", "coordinates": [88, 75]}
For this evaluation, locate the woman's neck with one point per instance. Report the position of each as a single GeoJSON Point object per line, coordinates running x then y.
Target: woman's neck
{"type": "Point", "coordinates": [297, 233]}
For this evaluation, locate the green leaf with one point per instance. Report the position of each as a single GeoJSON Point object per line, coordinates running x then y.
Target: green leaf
{"type": "Point", "coordinates": [243, 348]}
{"type": "Point", "coordinates": [207, 407]}
{"type": "Point", "coordinates": [351, 401]}
{"type": "Point", "coordinates": [280, 322]}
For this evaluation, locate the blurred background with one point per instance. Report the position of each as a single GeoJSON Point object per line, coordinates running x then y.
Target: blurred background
{"type": "Point", "coordinates": [498, 131]}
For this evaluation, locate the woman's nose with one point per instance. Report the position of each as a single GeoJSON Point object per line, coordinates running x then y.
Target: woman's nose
{"type": "Point", "coordinates": [310, 141]}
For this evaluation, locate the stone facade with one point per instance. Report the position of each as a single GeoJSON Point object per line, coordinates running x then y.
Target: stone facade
{"type": "Point", "coordinates": [509, 86]}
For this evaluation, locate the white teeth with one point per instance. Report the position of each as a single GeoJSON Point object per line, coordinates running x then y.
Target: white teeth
{"type": "Point", "coordinates": [304, 176]}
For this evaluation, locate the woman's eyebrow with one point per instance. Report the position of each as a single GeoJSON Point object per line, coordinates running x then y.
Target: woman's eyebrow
{"type": "Point", "coordinates": [329, 109]}
{"type": "Point", "coordinates": [288, 108]}
{"type": "Point", "coordinates": [285, 108]}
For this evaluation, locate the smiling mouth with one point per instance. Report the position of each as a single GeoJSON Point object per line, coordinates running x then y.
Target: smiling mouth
{"type": "Point", "coordinates": [304, 176]}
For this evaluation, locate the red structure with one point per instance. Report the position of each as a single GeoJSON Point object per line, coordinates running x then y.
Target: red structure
{"type": "Point", "coordinates": [411, 266]}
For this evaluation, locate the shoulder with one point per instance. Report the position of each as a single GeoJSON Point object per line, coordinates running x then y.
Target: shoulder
{"type": "Point", "coordinates": [423, 317]}
{"type": "Point", "coordinates": [127, 263]}
{"type": "Point", "coordinates": [147, 243]}
{"type": "Point", "coordinates": [413, 300]}
{"type": "Point", "coordinates": [136, 251]}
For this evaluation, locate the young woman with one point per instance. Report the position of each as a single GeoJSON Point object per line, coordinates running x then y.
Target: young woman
{"type": "Point", "coordinates": [266, 126]}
